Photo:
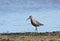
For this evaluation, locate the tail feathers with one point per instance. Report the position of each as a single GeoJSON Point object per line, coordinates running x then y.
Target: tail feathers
{"type": "Point", "coordinates": [42, 24]}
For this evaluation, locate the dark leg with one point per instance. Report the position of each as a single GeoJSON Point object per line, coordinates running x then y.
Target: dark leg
{"type": "Point", "coordinates": [36, 30]}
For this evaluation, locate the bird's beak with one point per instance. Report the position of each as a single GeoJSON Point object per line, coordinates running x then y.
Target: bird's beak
{"type": "Point", "coordinates": [27, 19]}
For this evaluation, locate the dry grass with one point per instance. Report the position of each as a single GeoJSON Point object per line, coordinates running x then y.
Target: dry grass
{"type": "Point", "coordinates": [31, 36]}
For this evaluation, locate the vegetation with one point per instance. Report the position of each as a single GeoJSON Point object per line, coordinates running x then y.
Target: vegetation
{"type": "Point", "coordinates": [33, 33]}
{"type": "Point", "coordinates": [31, 36]}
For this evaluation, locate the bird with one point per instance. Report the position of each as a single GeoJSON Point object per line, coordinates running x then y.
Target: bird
{"type": "Point", "coordinates": [35, 23]}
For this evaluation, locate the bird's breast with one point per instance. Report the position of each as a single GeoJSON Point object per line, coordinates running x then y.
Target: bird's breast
{"type": "Point", "coordinates": [34, 23]}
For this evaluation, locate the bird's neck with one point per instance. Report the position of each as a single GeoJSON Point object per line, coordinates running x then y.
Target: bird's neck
{"type": "Point", "coordinates": [32, 19]}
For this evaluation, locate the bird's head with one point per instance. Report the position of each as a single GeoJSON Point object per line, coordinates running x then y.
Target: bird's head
{"type": "Point", "coordinates": [29, 18]}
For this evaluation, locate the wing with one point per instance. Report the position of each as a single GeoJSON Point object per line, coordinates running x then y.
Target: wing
{"type": "Point", "coordinates": [39, 23]}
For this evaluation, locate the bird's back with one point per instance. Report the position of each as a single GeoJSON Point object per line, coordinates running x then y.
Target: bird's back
{"type": "Point", "coordinates": [35, 23]}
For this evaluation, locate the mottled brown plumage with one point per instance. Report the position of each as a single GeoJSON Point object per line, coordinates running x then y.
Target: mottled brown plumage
{"type": "Point", "coordinates": [35, 22]}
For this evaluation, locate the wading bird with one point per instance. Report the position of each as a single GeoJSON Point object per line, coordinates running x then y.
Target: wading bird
{"type": "Point", "coordinates": [35, 23]}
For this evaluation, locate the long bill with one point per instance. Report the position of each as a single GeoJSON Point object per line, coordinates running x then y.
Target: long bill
{"type": "Point", "coordinates": [27, 19]}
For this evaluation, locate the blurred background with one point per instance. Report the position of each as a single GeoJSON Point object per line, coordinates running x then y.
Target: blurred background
{"type": "Point", "coordinates": [13, 15]}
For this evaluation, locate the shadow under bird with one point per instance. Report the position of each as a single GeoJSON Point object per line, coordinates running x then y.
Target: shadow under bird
{"type": "Point", "coordinates": [35, 23]}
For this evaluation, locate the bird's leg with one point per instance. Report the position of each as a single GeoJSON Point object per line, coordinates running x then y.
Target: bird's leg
{"type": "Point", "coordinates": [36, 30]}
